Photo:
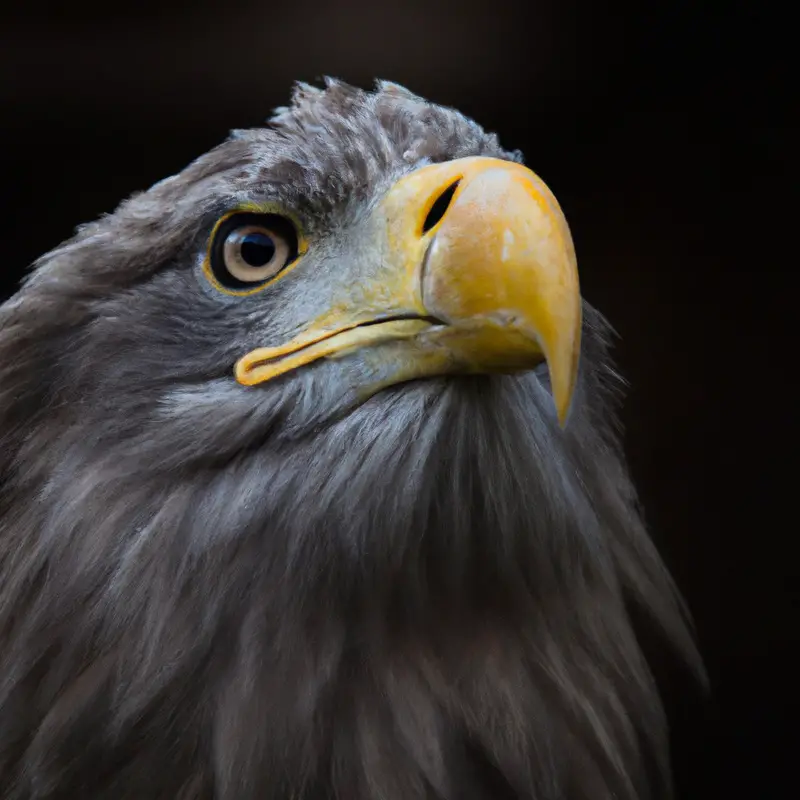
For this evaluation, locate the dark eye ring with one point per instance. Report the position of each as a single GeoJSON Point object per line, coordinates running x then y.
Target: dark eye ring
{"type": "Point", "coordinates": [250, 249]}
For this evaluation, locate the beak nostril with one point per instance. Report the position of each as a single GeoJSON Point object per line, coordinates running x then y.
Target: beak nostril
{"type": "Point", "coordinates": [440, 206]}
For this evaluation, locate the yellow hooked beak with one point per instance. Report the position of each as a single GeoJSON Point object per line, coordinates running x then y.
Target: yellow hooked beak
{"type": "Point", "coordinates": [476, 274]}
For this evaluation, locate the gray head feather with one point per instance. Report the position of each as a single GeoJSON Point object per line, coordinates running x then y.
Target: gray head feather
{"type": "Point", "coordinates": [208, 590]}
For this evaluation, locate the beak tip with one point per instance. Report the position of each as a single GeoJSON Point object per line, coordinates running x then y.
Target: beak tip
{"type": "Point", "coordinates": [563, 413]}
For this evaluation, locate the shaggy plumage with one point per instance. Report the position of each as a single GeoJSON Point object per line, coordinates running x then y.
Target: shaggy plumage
{"type": "Point", "coordinates": [216, 591]}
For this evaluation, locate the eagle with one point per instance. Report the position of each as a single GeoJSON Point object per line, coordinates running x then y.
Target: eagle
{"type": "Point", "coordinates": [311, 485]}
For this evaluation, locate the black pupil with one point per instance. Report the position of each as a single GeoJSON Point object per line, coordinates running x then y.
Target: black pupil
{"type": "Point", "coordinates": [257, 249]}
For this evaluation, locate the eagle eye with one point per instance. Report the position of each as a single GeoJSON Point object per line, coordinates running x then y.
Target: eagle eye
{"type": "Point", "coordinates": [248, 250]}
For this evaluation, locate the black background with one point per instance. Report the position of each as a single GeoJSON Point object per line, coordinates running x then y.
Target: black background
{"type": "Point", "coordinates": [664, 132]}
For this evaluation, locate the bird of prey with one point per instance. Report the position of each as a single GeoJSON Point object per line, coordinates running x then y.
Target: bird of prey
{"type": "Point", "coordinates": [311, 488]}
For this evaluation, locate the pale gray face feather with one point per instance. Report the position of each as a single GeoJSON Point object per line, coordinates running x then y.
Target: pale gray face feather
{"type": "Point", "coordinates": [218, 554]}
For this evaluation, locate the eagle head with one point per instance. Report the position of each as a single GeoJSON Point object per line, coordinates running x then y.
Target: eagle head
{"type": "Point", "coordinates": [310, 485]}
